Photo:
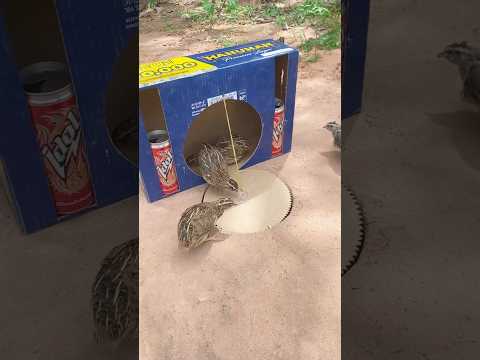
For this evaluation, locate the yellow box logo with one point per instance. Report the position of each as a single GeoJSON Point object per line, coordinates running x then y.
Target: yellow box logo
{"type": "Point", "coordinates": [239, 51]}
{"type": "Point", "coordinates": [164, 70]}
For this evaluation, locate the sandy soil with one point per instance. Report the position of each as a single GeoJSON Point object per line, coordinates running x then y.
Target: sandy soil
{"type": "Point", "coordinates": [272, 295]}
{"type": "Point", "coordinates": [47, 278]}
{"type": "Point", "coordinates": [413, 158]}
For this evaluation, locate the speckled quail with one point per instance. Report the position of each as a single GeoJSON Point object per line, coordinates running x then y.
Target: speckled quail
{"type": "Point", "coordinates": [467, 58]}
{"type": "Point", "coordinates": [115, 294]}
{"type": "Point", "coordinates": [198, 223]}
{"type": "Point", "coordinates": [214, 168]}
{"type": "Point", "coordinates": [224, 144]}
{"type": "Point", "coordinates": [241, 145]}
{"type": "Point", "coordinates": [192, 160]}
{"type": "Point", "coordinates": [336, 131]}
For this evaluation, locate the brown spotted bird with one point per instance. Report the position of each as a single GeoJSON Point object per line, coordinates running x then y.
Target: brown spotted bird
{"type": "Point", "coordinates": [115, 295]}
{"type": "Point", "coordinates": [214, 168]}
{"type": "Point", "coordinates": [241, 145]}
{"type": "Point", "coordinates": [224, 144]}
{"type": "Point", "coordinates": [198, 223]}
{"type": "Point", "coordinates": [467, 60]}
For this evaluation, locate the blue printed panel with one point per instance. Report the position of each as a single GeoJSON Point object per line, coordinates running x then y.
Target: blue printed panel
{"type": "Point", "coordinates": [250, 77]}
{"type": "Point", "coordinates": [354, 46]}
{"type": "Point", "coordinates": [240, 54]}
{"type": "Point", "coordinates": [94, 45]}
{"type": "Point", "coordinates": [177, 97]}
{"type": "Point", "coordinates": [19, 149]}
{"type": "Point", "coordinates": [95, 34]}
{"type": "Point", "coordinates": [290, 100]}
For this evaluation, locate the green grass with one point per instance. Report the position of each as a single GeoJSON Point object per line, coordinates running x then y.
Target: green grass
{"type": "Point", "coordinates": [226, 41]}
{"type": "Point", "coordinates": [328, 40]}
{"type": "Point", "coordinates": [324, 16]}
{"type": "Point", "coordinates": [206, 13]}
{"type": "Point", "coordinates": [152, 3]}
{"type": "Point", "coordinates": [234, 11]}
{"type": "Point", "coordinates": [312, 58]}
{"type": "Point", "coordinates": [230, 11]}
{"type": "Point", "coordinates": [168, 27]}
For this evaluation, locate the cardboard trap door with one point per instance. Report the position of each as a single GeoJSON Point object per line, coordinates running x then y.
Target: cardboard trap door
{"type": "Point", "coordinates": [267, 202]}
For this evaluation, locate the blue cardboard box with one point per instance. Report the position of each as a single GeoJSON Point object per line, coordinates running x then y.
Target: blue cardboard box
{"type": "Point", "coordinates": [99, 43]}
{"type": "Point", "coordinates": [355, 17]}
{"type": "Point", "coordinates": [184, 96]}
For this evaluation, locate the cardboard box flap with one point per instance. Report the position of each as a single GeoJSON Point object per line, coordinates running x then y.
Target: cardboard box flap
{"type": "Point", "coordinates": [161, 71]}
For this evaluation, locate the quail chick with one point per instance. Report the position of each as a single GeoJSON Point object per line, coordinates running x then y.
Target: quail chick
{"type": "Point", "coordinates": [459, 48]}
{"type": "Point", "coordinates": [214, 168]}
{"type": "Point", "coordinates": [115, 294]}
{"type": "Point", "coordinates": [336, 131]}
{"type": "Point", "coordinates": [198, 223]}
{"type": "Point", "coordinates": [241, 145]}
{"type": "Point", "coordinates": [467, 59]}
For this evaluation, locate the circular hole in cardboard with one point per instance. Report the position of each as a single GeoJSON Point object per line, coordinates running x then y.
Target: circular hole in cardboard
{"type": "Point", "coordinates": [211, 125]}
{"type": "Point", "coordinates": [121, 103]}
{"type": "Point", "coordinates": [268, 202]}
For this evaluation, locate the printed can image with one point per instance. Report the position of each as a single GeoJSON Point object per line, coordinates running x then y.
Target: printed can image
{"type": "Point", "coordinates": [59, 135]}
{"type": "Point", "coordinates": [278, 125]}
{"type": "Point", "coordinates": [163, 157]}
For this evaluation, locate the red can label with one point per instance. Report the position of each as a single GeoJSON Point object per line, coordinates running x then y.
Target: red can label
{"type": "Point", "coordinates": [278, 124]}
{"type": "Point", "coordinates": [162, 154]}
{"type": "Point", "coordinates": [62, 146]}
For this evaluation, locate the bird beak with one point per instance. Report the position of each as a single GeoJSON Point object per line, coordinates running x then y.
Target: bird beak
{"type": "Point", "coordinates": [233, 185]}
{"type": "Point", "coordinates": [441, 55]}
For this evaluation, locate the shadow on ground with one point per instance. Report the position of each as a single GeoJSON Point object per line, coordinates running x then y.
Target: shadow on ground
{"type": "Point", "coordinates": [465, 133]}
{"type": "Point", "coordinates": [334, 161]}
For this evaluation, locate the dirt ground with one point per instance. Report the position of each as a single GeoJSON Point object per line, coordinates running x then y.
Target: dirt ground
{"type": "Point", "coordinates": [272, 295]}
{"type": "Point", "coordinates": [413, 158]}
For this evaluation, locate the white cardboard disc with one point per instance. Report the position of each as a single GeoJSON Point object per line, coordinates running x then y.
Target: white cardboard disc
{"type": "Point", "coordinates": [266, 202]}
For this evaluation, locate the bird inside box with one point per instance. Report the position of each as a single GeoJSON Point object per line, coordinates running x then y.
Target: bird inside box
{"type": "Point", "coordinates": [214, 168]}
{"type": "Point", "coordinates": [211, 127]}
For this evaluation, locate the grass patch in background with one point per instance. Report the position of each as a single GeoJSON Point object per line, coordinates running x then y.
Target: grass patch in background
{"type": "Point", "coordinates": [323, 16]}
{"type": "Point", "coordinates": [226, 41]}
{"type": "Point", "coordinates": [231, 11]}
{"type": "Point", "coordinates": [152, 4]}
{"type": "Point", "coordinates": [327, 40]}
{"type": "Point", "coordinates": [325, 19]}
{"type": "Point", "coordinates": [312, 58]}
